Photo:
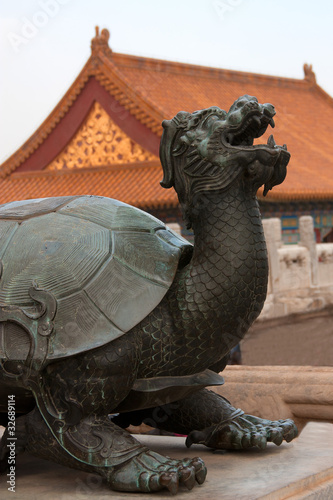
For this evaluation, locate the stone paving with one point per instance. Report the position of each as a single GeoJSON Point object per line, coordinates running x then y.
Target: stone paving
{"type": "Point", "coordinates": [302, 469]}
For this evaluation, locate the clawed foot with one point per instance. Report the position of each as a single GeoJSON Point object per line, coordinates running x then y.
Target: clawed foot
{"type": "Point", "coordinates": [150, 471]}
{"type": "Point", "coordinates": [244, 432]}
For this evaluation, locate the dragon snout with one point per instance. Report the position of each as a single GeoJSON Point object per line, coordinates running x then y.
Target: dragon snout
{"type": "Point", "coordinates": [268, 110]}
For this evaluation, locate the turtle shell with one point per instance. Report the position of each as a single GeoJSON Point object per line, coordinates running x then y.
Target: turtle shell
{"type": "Point", "coordinates": [107, 265]}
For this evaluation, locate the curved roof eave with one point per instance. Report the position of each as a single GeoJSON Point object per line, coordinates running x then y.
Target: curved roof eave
{"type": "Point", "coordinates": [106, 73]}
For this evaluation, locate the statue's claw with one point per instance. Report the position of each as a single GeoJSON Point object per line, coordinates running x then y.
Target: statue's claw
{"type": "Point", "coordinates": [200, 470]}
{"type": "Point", "coordinates": [150, 471]}
{"type": "Point", "coordinates": [289, 435]}
{"type": "Point", "coordinates": [170, 481]}
{"type": "Point", "coordinates": [275, 436]}
{"type": "Point", "coordinates": [187, 476]}
{"type": "Point", "coordinates": [244, 432]}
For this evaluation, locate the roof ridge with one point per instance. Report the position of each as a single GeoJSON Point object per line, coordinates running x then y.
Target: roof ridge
{"type": "Point", "coordinates": [100, 49]}
{"type": "Point", "coordinates": [130, 91]}
{"type": "Point", "coordinates": [323, 93]}
{"type": "Point", "coordinates": [310, 77]}
{"type": "Point", "coordinates": [142, 62]}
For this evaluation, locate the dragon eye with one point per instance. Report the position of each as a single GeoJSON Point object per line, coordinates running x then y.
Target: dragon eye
{"type": "Point", "coordinates": [210, 120]}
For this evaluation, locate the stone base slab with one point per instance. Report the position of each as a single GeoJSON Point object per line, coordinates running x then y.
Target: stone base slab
{"type": "Point", "coordinates": [302, 469]}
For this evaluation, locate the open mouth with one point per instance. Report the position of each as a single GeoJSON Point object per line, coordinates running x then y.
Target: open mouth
{"type": "Point", "coordinates": [269, 168]}
{"type": "Point", "coordinates": [252, 127]}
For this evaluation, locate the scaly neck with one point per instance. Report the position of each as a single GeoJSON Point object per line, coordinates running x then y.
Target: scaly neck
{"type": "Point", "coordinates": [226, 224]}
{"type": "Point", "coordinates": [214, 299]}
{"type": "Point", "coordinates": [226, 281]}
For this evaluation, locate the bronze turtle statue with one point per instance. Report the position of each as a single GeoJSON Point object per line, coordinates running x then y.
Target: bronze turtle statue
{"type": "Point", "coordinates": [105, 311]}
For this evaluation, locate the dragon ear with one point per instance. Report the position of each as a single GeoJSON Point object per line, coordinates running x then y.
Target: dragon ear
{"type": "Point", "coordinates": [169, 131]}
{"type": "Point", "coordinates": [172, 128]}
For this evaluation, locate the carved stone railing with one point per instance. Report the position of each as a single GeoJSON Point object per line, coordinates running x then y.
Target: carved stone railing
{"type": "Point", "coordinates": [301, 276]}
{"type": "Point", "coordinates": [303, 393]}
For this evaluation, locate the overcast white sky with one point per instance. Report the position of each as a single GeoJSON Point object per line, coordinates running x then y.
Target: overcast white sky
{"type": "Point", "coordinates": [45, 43]}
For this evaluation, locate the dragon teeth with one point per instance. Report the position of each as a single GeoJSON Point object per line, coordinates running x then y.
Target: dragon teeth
{"type": "Point", "coordinates": [271, 142]}
{"type": "Point", "coordinates": [272, 123]}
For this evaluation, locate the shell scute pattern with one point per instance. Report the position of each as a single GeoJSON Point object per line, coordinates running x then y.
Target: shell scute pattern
{"type": "Point", "coordinates": [98, 257]}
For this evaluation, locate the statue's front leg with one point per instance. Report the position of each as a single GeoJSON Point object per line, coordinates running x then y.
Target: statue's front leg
{"type": "Point", "coordinates": [208, 418]}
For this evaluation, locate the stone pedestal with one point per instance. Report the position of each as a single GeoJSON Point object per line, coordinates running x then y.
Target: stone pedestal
{"type": "Point", "coordinates": [302, 469]}
{"type": "Point", "coordinates": [302, 393]}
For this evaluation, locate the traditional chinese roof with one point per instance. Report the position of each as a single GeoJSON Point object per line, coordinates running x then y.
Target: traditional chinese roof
{"type": "Point", "coordinates": [135, 183]}
{"type": "Point", "coordinates": [103, 136]}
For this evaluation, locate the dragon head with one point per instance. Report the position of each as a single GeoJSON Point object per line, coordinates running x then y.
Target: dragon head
{"type": "Point", "coordinates": [210, 149]}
